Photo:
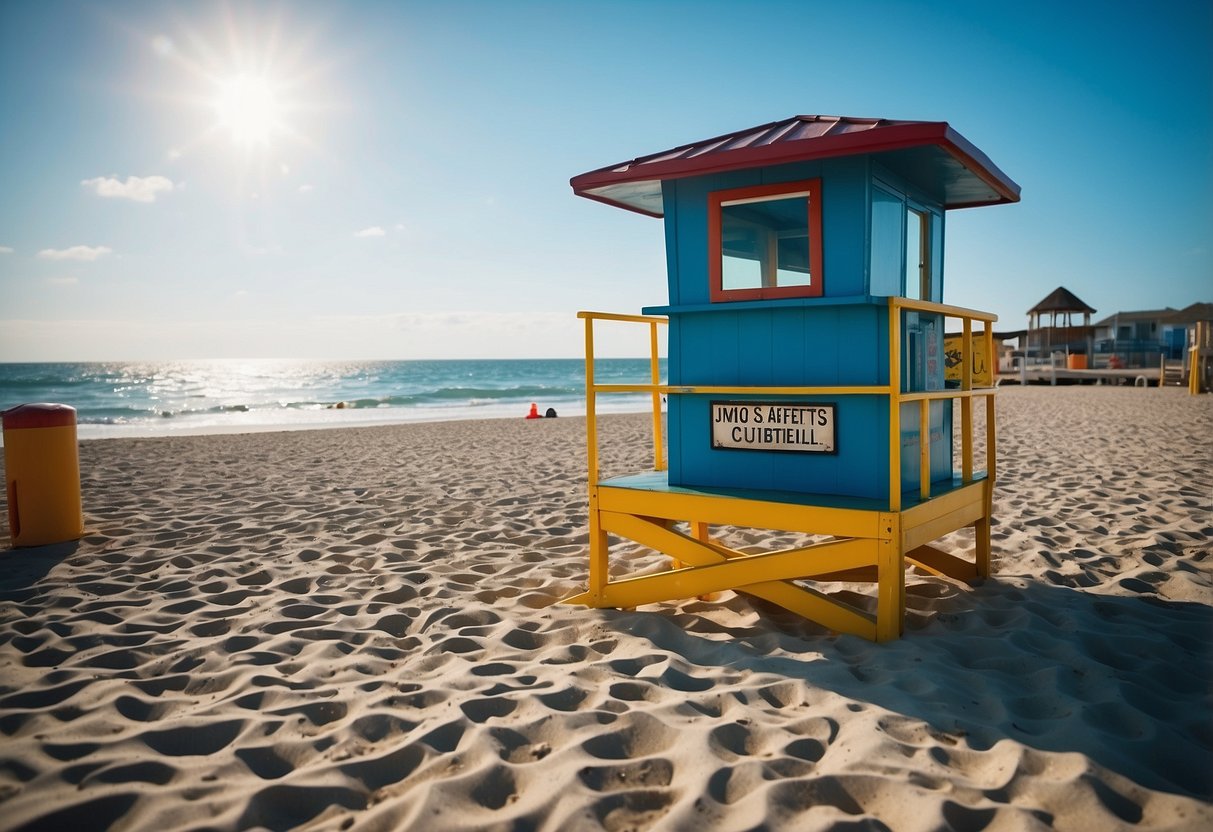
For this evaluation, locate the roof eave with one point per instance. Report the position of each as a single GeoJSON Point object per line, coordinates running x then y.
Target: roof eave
{"type": "Point", "coordinates": [618, 204]}
{"type": "Point", "coordinates": [981, 166]}
{"type": "Point", "coordinates": [896, 137]}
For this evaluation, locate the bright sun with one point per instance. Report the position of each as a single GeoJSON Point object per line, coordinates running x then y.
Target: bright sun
{"type": "Point", "coordinates": [249, 107]}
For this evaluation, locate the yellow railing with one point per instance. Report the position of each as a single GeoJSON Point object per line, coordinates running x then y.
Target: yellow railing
{"type": "Point", "coordinates": [1198, 355]}
{"type": "Point", "coordinates": [965, 393]}
{"type": "Point", "coordinates": [592, 389]}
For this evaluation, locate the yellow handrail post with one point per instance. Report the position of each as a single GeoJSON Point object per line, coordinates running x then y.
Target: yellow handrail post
{"type": "Point", "coordinates": [655, 375]}
{"type": "Point", "coordinates": [991, 357]}
{"type": "Point", "coordinates": [599, 562]}
{"type": "Point", "coordinates": [991, 444]}
{"type": "Point", "coordinates": [981, 529]}
{"type": "Point", "coordinates": [591, 422]}
{"type": "Point", "coordinates": [890, 578]}
{"type": "Point", "coordinates": [1194, 362]}
{"type": "Point", "coordinates": [924, 449]}
{"type": "Point", "coordinates": [966, 403]}
{"type": "Point", "coordinates": [894, 405]}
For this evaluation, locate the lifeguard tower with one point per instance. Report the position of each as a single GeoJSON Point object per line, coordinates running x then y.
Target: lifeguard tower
{"type": "Point", "coordinates": [806, 387]}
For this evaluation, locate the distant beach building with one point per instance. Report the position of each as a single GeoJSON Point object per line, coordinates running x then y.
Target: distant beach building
{"type": "Point", "coordinates": [1165, 341]}
{"type": "Point", "coordinates": [1052, 327]}
{"type": "Point", "coordinates": [1197, 321]}
{"type": "Point", "coordinates": [1188, 318]}
{"type": "Point", "coordinates": [1140, 338]}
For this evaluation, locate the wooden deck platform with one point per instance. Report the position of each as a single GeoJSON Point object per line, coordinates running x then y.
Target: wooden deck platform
{"type": "Point", "coordinates": [1140, 377]}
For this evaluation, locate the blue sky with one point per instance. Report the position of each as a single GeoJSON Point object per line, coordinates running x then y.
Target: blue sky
{"type": "Point", "coordinates": [390, 180]}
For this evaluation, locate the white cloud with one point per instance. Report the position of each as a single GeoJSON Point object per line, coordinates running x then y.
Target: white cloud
{"type": "Point", "coordinates": [373, 231]}
{"type": "Point", "coordinates": [75, 253]}
{"type": "Point", "coordinates": [63, 281]}
{"type": "Point", "coordinates": [306, 189]}
{"type": "Point", "coordinates": [6, 250]}
{"type": "Point", "coordinates": [137, 188]}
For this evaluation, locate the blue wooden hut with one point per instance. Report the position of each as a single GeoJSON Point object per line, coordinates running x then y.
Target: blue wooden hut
{"type": "Point", "coordinates": [806, 383]}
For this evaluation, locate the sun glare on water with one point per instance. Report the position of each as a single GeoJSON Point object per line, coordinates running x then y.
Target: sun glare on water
{"type": "Point", "coordinates": [249, 108]}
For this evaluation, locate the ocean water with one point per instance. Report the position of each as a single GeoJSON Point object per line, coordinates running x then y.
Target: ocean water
{"type": "Point", "coordinates": [179, 397]}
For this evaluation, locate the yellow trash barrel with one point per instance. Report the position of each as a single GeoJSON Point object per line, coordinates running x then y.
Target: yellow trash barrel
{"type": "Point", "coordinates": [42, 474]}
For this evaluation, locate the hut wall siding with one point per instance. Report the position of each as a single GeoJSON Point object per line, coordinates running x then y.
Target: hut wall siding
{"type": "Point", "coordinates": [837, 340]}
{"type": "Point", "coordinates": [782, 346]}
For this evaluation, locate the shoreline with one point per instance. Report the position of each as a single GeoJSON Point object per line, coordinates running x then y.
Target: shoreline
{"type": "Point", "coordinates": [359, 630]}
{"type": "Point", "coordinates": [201, 397]}
{"type": "Point", "coordinates": [90, 432]}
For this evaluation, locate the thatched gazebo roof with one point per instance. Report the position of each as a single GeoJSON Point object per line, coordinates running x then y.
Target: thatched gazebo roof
{"type": "Point", "coordinates": [1061, 299]}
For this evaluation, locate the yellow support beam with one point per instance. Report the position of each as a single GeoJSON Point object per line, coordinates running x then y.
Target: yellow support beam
{"type": "Point", "coordinates": [661, 538]}
{"type": "Point", "coordinates": [716, 568]}
{"type": "Point", "coordinates": [733, 390]}
{"type": "Point", "coordinates": [917, 535]}
{"type": "Point", "coordinates": [816, 606]}
{"type": "Point", "coordinates": [599, 544]}
{"type": "Point", "coordinates": [804, 601]}
{"type": "Point", "coordinates": [891, 581]}
{"type": "Point", "coordinates": [938, 506]}
{"type": "Point", "coordinates": [869, 543]}
{"type": "Point", "coordinates": [942, 309]}
{"type": "Point", "coordinates": [738, 511]}
{"type": "Point", "coordinates": [613, 316]}
{"type": "Point", "coordinates": [946, 395]}
{"type": "Point", "coordinates": [752, 573]}
{"type": "Point", "coordinates": [981, 532]}
{"type": "Point", "coordinates": [939, 562]}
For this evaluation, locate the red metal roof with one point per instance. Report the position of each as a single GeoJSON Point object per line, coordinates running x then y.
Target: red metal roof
{"type": "Point", "coordinates": [969, 177]}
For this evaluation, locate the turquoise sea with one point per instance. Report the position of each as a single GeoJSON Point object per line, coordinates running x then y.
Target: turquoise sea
{"type": "Point", "coordinates": [178, 397]}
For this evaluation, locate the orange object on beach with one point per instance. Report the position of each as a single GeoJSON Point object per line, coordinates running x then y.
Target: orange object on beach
{"type": "Point", "coordinates": [534, 414]}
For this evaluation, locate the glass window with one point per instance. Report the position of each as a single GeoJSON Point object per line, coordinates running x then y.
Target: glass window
{"type": "Point", "coordinates": [888, 212]}
{"type": "Point", "coordinates": [765, 242]}
{"type": "Point", "coordinates": [918, 248]}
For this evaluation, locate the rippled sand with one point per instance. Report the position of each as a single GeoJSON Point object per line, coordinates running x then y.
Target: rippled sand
{"type": "Point", "coordinates": [352, 629]}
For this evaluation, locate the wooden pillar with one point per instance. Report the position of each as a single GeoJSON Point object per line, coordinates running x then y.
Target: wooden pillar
{"type": "Point", "coordinates": [891, 578]}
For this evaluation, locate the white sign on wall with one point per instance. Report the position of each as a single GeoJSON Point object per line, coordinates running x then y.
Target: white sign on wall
{"type": "Point", "coordinates": [799, 427]}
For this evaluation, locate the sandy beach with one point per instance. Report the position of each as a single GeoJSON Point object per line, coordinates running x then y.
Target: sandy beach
{"type": "Point", "coordinates": [355, 629]}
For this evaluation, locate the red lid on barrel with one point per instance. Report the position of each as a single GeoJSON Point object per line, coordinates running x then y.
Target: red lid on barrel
{"type": "Point", "coordinates": [39, 415]}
